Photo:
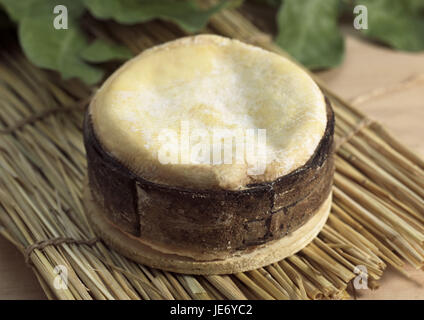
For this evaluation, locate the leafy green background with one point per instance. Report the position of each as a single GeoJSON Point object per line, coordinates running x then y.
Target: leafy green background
{"type": "Point", "coordinates": [69, 51]}
{"type": "Point", "coordinates": [308, 29]}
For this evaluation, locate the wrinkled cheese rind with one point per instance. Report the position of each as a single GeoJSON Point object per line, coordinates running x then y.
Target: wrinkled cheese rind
{"type": "Point", "coordinates": [207, 83]}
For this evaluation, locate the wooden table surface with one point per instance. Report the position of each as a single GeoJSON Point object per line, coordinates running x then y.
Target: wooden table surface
{"type": "Point", "coordinates": [367, 67]}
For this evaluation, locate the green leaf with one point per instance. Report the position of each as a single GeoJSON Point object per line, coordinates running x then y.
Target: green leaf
{"type": "Point", "coordinates": [308, 31]}
{"type": "Point", "coordinates": [185, 13]}
{"type": "Point", "coordinates": [68, 51]}
{"type": "Point", "coordinates": [102, 51]}
{"type": "Point", "coordinates": [415, 5]}
{"type": "Point", "coordinates": [16, 9]}
{"type": "Point", "coordinates": [55, 49]}
{"type": "Point", "coordinates": [396, 23]}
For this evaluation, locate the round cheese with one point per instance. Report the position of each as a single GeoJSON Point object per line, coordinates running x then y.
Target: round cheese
{"type": "Point", "coordinates": [207, 112]}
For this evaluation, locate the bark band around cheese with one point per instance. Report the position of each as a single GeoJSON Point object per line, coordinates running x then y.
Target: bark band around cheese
{"type": "Point", "coordinates": [198, 216]}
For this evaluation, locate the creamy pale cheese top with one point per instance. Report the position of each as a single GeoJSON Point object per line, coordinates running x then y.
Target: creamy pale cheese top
{"type": "Point", "coordinates": [207, 112]}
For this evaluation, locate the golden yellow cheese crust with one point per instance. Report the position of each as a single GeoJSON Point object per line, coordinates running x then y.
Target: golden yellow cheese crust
{"type": "Point", "coordinates": [160, 113]}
